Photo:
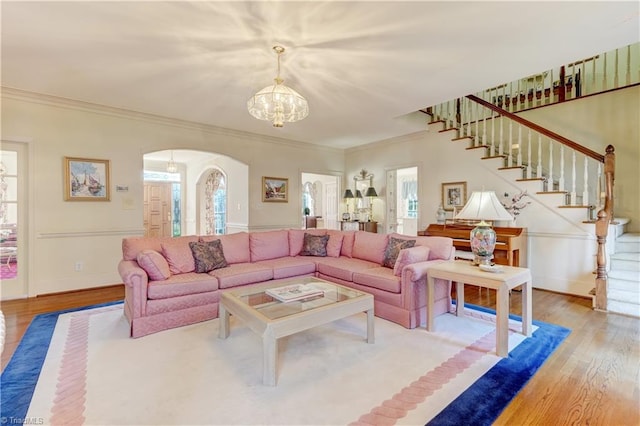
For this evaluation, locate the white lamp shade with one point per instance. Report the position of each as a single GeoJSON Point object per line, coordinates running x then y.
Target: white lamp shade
{"type": "Point", "coordinates": [484, 205]}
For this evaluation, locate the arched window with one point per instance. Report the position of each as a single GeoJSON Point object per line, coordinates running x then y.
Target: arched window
{"type": "Point", "coordinates": [215, 203]}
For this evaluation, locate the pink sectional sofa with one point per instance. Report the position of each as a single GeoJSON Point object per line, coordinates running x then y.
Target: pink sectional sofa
{"type": "Point", "coordinates": [163, 291]}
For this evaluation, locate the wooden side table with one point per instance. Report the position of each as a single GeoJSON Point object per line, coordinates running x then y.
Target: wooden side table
{"type": "Point", "coordinates": [462, 272]}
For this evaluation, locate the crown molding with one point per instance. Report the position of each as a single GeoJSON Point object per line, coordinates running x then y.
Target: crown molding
{"type": "Point", "coordinates": [61, 102]}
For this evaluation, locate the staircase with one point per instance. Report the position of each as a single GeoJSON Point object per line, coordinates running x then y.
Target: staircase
{"type": "Point", "coordinates": [624, 276]}
{"type": "Point", "coordinates": [568, 176]}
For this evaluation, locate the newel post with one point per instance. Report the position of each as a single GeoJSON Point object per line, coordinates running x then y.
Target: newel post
{"type": "Point", "coordinates": [605, 217]}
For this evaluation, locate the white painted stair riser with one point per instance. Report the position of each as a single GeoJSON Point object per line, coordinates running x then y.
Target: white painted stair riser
{"type": "Point", "coordinates": [624, 308]}
{"type": "Point", "coordinates": [625, 261]}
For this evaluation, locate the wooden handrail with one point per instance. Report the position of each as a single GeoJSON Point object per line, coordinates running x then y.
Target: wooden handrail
{"type": "Point", "coordinates": [567, 142]}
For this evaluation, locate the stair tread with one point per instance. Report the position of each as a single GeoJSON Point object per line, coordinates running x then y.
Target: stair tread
{"type": "Point", "coordinates": [626, 256]}
{"type": "Point", "coordinates": [620, 274]}
{"type": "Point", "coordinates": [629, 237]}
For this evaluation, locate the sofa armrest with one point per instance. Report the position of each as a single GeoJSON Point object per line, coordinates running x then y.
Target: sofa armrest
{"type": "Point", "coordinates": [135, 281]}
{"type": "Point", "coordinates": [417, 271]}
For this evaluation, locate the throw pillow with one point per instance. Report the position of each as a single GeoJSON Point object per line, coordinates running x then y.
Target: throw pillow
{"type": "Point", "coordinates": [393, 249]}
{"type": "Point", "coordinates": [314, 245]}
{"type": "Point", "coordinates": [410, 255]}
{"type": "Point", "coordinates": [154, 265]}
{"type": "Point", "coordinates": [208, 255]}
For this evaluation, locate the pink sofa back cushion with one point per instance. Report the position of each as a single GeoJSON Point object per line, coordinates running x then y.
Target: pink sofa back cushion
{"type": "Point", "coordinates": [179, 255]}
{"type": "Point", "coordinates": [440, 247]}
{"type": "Point", "coordinates": [347, 243]}
{"type": "Point", "coordinates": [235, 246]}
{"type": "Point", "coordinates": [369, 246]}
{"type": "Point", "coordinates": [334, 245]}
{"type": "Point", "coordinates": [154, 264]}
{"type": "Point", "coordinates": [296, 239]}
{"type": "Point", "coordinates": [132, 246]}
{"type": "Point", "coordinates": [268, 245]}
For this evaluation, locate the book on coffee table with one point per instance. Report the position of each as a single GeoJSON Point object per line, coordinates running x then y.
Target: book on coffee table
{"type": "Point", "coordinates": [293, 292]}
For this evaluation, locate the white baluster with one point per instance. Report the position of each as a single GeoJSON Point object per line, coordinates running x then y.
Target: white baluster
{"type": "Point", "coordinates": [599, 197]}
{"type": "Point", "coordinates": [615, 67]}
{"type": "Point", "coordinates": [604, 71]}
{"type": "Point", "coordinates": [585, 189]}
{"type": "Point", "coordinates": [469, 115]}
{"type": "Point", "coordinates": [476, 138]}
{"type": "Point", "coordinates": [593, 74]}
{"type": "Point", "coordinates": [529, 156]}
{"type": "Point", "coordinates": [511, 96]}
{"type": "Point", "coordinates": [550, 165]}
{"type": "Point", "coordinates": [510, 153]}
{"type": "Point", "coordinates": [492, 151]}
{"type": "Point", "coordinates": [561, 178]}
{"type": "Point", "coordinates": [519, 157]}
{"type": "Point", "coordinates": [539, 168]}
{"type": "Point", "coordinates": [628, 73]}
{"type": "Point", "coordinates": [501, 143]}
{"type": "Point", "coordinates": [484, 129]}
{"type": "Point", "coordinates": [573, 179]}
{"type": "Point", "coordinates": [551, 95]}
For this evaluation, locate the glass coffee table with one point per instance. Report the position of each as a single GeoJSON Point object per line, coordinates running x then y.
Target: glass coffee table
{"type": "Point", "coordinates": [272, 319]}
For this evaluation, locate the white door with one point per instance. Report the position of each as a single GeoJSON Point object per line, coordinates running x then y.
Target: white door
{"type": "Point", "coordinates": [13, 220]}
{"type": "Point", "coordinates": [331, 221]}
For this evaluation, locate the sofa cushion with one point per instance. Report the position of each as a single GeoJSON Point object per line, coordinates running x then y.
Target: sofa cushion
{"type": "Point", "coordinates": [241, 274]}
{"type": "Point", "coordinates": [381, 278]}
{"type": "Point", "coordinates": [207, 255]}
{"type": "Point", "coordinates": [178, 254]}
{"type": "Point", "coordinates": [394, 245]}
{"type": "Point", "coordinates": [268, 245]}
{"type": "Point", "coordinates": [314, 245]}
{"type": "Point", "coordinates": [286, 267]}
{"type": "Point", "coordinates": [235, 246]}
{"type": "Point", "coordinates": [132, 246]}
{"type": "Point", "coordinates": [369, 246]}
{"type": "Point", "coordinates": [440, 247]}
{"type": "Point", "coordinates": [342, 267]}
{"type": "Point", "coordinates": [347, 243]}
{"type": "Point", "coordinates": [334, 245]}
{"type": "Point", "coordinates": [181, 285]}
{"type": "Point", "coordinates": [410, 255]}
{"type": "Point", "coordinates": [296, 239]}
{"type": "Point", "coordinates": [154, 264]}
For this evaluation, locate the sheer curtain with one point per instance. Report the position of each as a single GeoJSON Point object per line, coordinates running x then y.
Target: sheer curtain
{"type": "Point", "coordinates": [211, 186]}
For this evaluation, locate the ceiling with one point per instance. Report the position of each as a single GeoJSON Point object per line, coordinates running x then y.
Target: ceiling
{"type": "Point", "coordinates": [365, 67]}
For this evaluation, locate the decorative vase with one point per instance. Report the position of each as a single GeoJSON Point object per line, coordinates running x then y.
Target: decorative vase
{"type": "Point", "coordinates": [441, 215]}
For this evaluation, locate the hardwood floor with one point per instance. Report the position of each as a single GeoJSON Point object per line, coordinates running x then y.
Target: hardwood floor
{"type": "Point", "coordinates": [592, 378]}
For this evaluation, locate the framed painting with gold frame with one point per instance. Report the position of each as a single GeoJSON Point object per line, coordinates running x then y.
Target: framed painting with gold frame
{"type": "Point", "coordinates": [454, 195]}
{"type": "Point", "coordinates": [86, 179]}
{"type": "Point", "coordinates": [275, 189]}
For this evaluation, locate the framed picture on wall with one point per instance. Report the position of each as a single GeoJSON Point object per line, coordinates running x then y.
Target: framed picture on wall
{"type": "Point", "coordinates": [86, 179]}
{"type": "Point", "coordinates": [275, 189]}
{"type": "Point", "coordinates": [454, 195]}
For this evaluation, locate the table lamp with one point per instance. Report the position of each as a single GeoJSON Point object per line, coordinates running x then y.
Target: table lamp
{"type": "Point", "coordinates": [371, 193]}
{"type": "Point", "coordinates": [347, 196]}
{"type": "Point", "coordinates": [482, 206]}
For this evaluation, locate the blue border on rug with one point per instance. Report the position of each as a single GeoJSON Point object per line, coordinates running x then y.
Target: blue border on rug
{"type": "Point", "coordinates": [19, 378]}
{"type": "Point", "coordinates": [498, 386]}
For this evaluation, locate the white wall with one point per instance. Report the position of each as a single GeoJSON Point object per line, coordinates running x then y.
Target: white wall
{"type": "Point", "coordinates": [64, 232]}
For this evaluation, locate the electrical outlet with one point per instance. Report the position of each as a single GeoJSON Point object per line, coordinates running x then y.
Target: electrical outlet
{"type": "Point", "coordinates": [79, 265]}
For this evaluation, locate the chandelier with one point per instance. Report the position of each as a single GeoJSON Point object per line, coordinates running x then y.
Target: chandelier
{"type": "Point", "coordinates": [278, 103]}
{"type": "Point", "coordinates": [172, 167]}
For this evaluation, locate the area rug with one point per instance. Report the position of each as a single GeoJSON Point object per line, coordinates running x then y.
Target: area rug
{"type": "Point", "coordinates": [80, 367]}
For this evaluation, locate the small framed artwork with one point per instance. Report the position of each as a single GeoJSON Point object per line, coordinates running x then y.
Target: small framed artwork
{"type": "Point", "coordinates": [454, 195]}
{"type": "Point", "coordinates": [275, 189]}
{"type": "Point", "coordinates": [86, 179]}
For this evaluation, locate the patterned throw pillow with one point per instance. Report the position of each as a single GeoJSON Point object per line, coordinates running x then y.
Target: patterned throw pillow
{"type": "Point", "coordinates": [208, 255]}
{"type": "Point", "coordinates": [314, 245]}
{"type": "Point", "coordinates": [393, 249]}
